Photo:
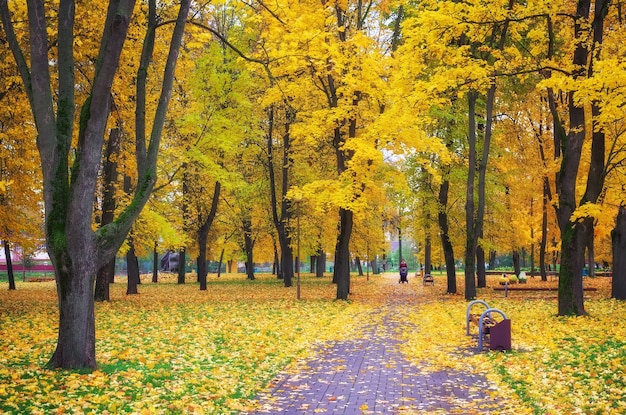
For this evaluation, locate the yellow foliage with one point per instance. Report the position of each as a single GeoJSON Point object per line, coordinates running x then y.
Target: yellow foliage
{"type": "Point", "coordinates": [175, 349]}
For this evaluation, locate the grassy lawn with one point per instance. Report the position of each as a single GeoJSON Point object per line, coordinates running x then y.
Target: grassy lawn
{"type": "Point", "coordinates": [175, 349]}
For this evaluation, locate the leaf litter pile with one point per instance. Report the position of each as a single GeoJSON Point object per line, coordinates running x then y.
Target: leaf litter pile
{"type": "Point", "coordinates": [175, 349]}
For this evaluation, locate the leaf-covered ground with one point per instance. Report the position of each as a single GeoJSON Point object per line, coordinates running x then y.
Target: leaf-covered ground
{"type": "Point", "coordinates": [175, 349]}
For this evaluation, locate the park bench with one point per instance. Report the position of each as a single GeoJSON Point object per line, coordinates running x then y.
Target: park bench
{"type": "Point", "coordinates": [506, 288]}
{"type": "Point", "coordinates": [428, 279]}
{"type": "Point", "coordinates": [497, 332]}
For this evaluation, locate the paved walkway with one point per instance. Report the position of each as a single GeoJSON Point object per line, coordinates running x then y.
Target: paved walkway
{"type": "Point", "coordinates": [370, 376]}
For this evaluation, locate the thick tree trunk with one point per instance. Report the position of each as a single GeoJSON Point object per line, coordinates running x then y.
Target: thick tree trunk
{"type": "Point", "coordinates": [7, 255]}
{"type": "Point", "coordinates": [76, 347]}
{"type": "Point", "coordinates": [320, 264]}
{"type": "Point", "coordinates": [618, 237]}
{"type": "Point", "coordinates": [182, 266]}
{"type": "Point", "coordinates": [481, 275]}
{"type": "Point", "coordinates": [575, 237]}
{"type": "Point", "coordinates": [571, 301]}
{"type": "Point", "coordinates": [75, 249]}
{"type": "Point", "coordinates": [132, 270]}
{"type": "Point", "coordinates": [286, 267]}
{"type": "Point", "coordinates": [342, 255]}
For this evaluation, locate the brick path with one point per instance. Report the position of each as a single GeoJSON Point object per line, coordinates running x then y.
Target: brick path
{"type": "Point", "coordinates": [370, 376]}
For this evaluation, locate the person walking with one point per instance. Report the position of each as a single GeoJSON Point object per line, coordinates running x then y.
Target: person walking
{"type": "Point", "coordinates": [404, 271]}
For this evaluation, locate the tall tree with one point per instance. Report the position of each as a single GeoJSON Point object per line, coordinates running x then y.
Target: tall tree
{"type": "Point", "coordinates": [75, 249]}
{"type": "Point", "coordinates": [576, 230]}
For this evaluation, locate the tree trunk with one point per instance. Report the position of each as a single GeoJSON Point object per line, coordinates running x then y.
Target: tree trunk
{"type": "Point", "coordinates": [219, 265]}
{"type": "Point", "coordinates": [571, 301]}
{"type": "Point", "coordinates": [103, 281]}
{"type": "Point", "coordinates": [471, 236]}
{"type": "Point", "coordinates": [76, 251]}
{"type": "Point", "coordinates": [109, 202]}
{"type": "Point", "coordinates": [182, 265]}
{"type": "Point", "coordinates": [516, 266]}
{"type": "Point", "coordinates": [320, 264]}
{"type": "Point", "coordinates": [132, 270]}
{"type": "Point", "coordinates": [286, 270]}
{"type": "Point", "coordinates": [342, 255]}
{"type": "Point", "coordinates": [76, 344]}
{"type": "Point", "coordinates": [359, 268]}
{"type": "Point", "coordinates": [249, 248]}
{"type": "Point", "coordinates": [203, 236]}
{"type": "Point", "coordinates": [446, 244]}
{"type": "Point", "coordinates": [155, 263]}
{"type": "Point", "coordinates": [480, 267]}
{"type": "Point", "coordinates": [544, 230]}
{"type": "Point", "coordinates": [428, 253]}
{"type": "Point", "coordinates": [277, 266]}
{"type": "Point", "coordinates": [7, 255]}
{"type": "Point", "coordinates": [618, 237]}
{"type": "Point", "coordinates": [575, 236]}
{"type": "Point", "coordinates": [572, 246]}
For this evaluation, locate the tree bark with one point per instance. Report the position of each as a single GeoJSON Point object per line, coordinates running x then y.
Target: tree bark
{"type": "Point", "coordinates": [359, 268]}
{"type": "Point", "coordinates": [428, 264]}
{"type": "Point", "coordinates": [248, 248]}
{"type": "Point", "coordinates": [448, 251]}
{"type": "Point", "coordinates": [516, 265]}
{"type": "Point", "coordinates": [575, 236]}
{"type": "Point", "coordinates": [132, 270]}
{"type": "Point", "coordinates": [155, 263]}
{"type": "Point", "coordinates": [286, 269]}
{"type": "Point", "coordinates": [342, 255]}
{"type": "Point", "coordinates": [320, 264]}
{"type": "Point", "coordinates": [219, 264]}
{"type": "Point", "coordinates": [106, 274]}
{"type": "Point", "coordinates": [76, 251]}
{"type": "Point", "coordinates": [7, 255]}
{"type": "Point", "coordinates": [203, 235]}
{"type": "Point", "coordinates": [618, 238]}
{"type": "Point", "coordinates": [481, 275]}
{"type": "Point", "coordinates": [544, 230]}
{"type": "Point", "coordinates": [471, 236]}
{"type": "Point", "coordinates": [182, 266]}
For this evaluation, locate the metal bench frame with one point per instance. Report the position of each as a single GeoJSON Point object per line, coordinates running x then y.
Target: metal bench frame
{"type": "Point", "coordinates": [486, 314]}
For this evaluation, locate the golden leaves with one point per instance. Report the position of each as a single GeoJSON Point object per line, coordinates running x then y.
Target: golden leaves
{"type": "Point", "coordinates": [555, 362]}
{"type": "Point", "coordinates": [174, 349]}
